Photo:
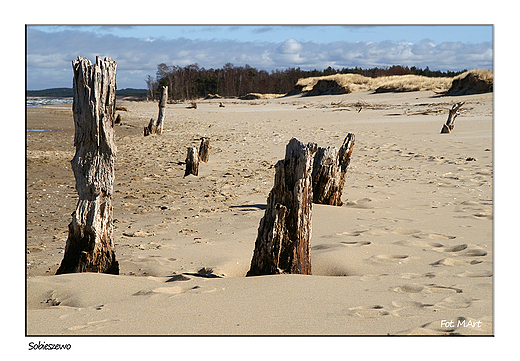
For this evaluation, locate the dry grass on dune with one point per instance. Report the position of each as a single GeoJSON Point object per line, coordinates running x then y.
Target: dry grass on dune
{"type": "Point", "coordinates": [477, 80]}
{"type": "Point", "coordinates": [472, 82]}
{"type": "Point", "coordinates": [254, 96]}
{"type": "Point", "coordinates": [410, 82]}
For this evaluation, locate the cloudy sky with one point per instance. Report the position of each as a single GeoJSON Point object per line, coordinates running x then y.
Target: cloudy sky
{"type": "Point", "coordinates": [138, 49]}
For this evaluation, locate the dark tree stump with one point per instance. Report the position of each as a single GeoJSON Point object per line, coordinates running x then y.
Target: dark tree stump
{"type": "Point", "coordinates": [90, 246]}
{"type": "Point", "coordinates": [283, 241]}
{"type": "Point", "coordinates": [192, 162]}
{"type": "Point", "coordinates": [330, 171]}
{"type": "Point", "coordinates": [450, 123]}
{"type": "Point", "coordinates": [156, 127]}
{"type": "Point", "coordinates": [204, 150]}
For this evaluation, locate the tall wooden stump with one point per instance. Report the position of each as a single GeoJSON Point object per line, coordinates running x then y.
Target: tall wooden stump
{"type": "Point", "coordinates": [450, 123]}
{"type": "Point", "coordinates": [283, 241]}
{"type": "Point", "coordinates": [192, 162]}
{"type": "Point", "coordinates": [156, 127]}
{"type": "Point", "coordinates": [90, 246]}
{"type": "Point", "coordinates": [330, 171]}
{"type": "Point", "coordinates": [204, 150]}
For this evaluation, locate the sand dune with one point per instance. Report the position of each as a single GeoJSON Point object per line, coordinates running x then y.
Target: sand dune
{"type": "Point", "coordinates": [470, 82]}
{"type": "Point", "coordinates": [411, 246]}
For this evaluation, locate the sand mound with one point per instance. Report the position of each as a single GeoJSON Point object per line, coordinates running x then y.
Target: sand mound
{"type": "Point", "coordinates": [472, 82]}
{"type": "Point", "coordinates": [328, 87]}
{"type": "Point", "coordinates": [213, 96]}
{"type": "Point", "coordinates": [332, 84]}
{"type": "Point", "coordinates": [254, 96]}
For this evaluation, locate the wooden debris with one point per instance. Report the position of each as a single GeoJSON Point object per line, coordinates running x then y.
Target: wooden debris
{"type": "Point", "coordinates": [156, 127]}
{"type": "Point", "coordinates": [283, 241]}
{"type": "Point", "coordinates": [330, 171]}
{"type": "Point", "coordinates": [192, 162]}
{"type": "Point", "coordinates": [450, 123]}
{"type": "Point", "coordinates": [90, 246]}
{"type": "Point", "coordinates": [204, 150]}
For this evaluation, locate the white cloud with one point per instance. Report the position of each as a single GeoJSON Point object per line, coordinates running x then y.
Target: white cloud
{"type": "Point", "coordinates": [49, 55]}
{"type": "Point", "coordinates": [290, 46]}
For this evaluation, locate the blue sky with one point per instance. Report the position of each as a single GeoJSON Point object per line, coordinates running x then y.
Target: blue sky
{"type": "Point", "coordinates": [138, 49]}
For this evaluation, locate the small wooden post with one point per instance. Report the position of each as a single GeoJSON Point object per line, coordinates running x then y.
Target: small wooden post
{"type": "Point", "coordinates": [150, 129]}
{"type": "Point", "coordinates": [283, 241]}
{"type": "Point", "coordinates": [192, 162]}
{"type": "Point", "coordinates": [450, 123]}
{"type": "Point", "coordinates": [90, 246]}
{"type": "Point", "coordinates": [162, 107]}
{"type": "Point", "coordinates": [156, 127]}
{"type": "Point", "coordinates": [330, 171]}
{"type": "Point", "coordinates": [204, 150]}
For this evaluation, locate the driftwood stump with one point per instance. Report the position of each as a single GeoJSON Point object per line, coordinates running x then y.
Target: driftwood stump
{"type": "Point", "coordinates": [90, 246]}
{"type": "Point", "coordinates": [156, 127]}
{"type": "Point", "coordinates": [204, 150]}
{"type": "Point", "coordinates": [192, 162]}
{"type": "Point", "coordinates": [283, 241]}
{"type": "Point", "coordinates": [450, 123]}
{"type": "Point", "coordinates": [330, 171]}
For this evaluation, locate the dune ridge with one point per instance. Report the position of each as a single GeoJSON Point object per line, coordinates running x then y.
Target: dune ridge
{"type": "Point", "coordinates": [470, 82]}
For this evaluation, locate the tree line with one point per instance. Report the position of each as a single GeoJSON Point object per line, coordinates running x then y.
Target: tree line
{"type": "Point", "coordinates": [192, 81]}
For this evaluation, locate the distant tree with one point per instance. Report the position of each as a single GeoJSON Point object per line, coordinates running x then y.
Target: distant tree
{"type": "Point", "coordinates": [152, 86]}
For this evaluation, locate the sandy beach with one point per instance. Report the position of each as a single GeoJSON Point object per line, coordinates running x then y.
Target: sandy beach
{"type": "Point", "coordinates": [410, 252]}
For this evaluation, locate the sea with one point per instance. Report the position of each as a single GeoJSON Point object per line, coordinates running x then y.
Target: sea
{"type": "Point", "coordinates": [38, 102]}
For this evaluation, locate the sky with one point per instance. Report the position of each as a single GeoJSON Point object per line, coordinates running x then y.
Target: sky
{"type": "Point", "coordinates": [139, 49]}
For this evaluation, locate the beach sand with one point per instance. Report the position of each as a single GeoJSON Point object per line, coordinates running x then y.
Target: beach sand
{"type": "Point", "coordinates": [410, 250]}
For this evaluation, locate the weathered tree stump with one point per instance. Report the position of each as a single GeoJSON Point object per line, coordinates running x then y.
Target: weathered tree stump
{"type": "Point", "coordinates": [156, 127]}
{"type": "Point", "coordinates": [330, 171]}
{"type": "Point", "coordinates": [90, 246]}
{"type": "Point", "coordinates": [450, 123]}
{"type": "Point", "coordinates": [283, 241]}
{"type": "Point", "coordinates": [204, 150]}
{"type": "Point", "coordinates": [192, 162]}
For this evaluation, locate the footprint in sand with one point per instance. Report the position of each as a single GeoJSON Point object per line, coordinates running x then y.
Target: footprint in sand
{"type": "Point", "coordinates": [406, 232]}
{"type": "Point", "coordinates": [476, 252]}
{"type": "Point", "coordinates": [325, 246]}
{"type": "Point", "coordinates": [455, 302]}
{"type": "Point", "coordinates": [455, 262]}
{"type": "Point", "coordinates": [440, 236]}
{"type": "Point", "coordinates": [430, 288]}
{"type": "Point", "coordinates": [477, 274]}
{"type": "Point", "coordinates": [93, 325]}
{"type": "Point", "coordinates": [353, 233]}
{"type": "Point", "coordinates": [385, 259]}
{"type": "Point", "coordinates": [368, 311]}
{"type": "Point", "coordinates": [409, 308]}
{"type": "Point", "coordinates": [452, 249]}
{"type": "Point", "coordinates": [360, 203]}
{"type": "Point", "coordinates": [418, 243]}
{"type": "Point", "coordinates": [356, 244]}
